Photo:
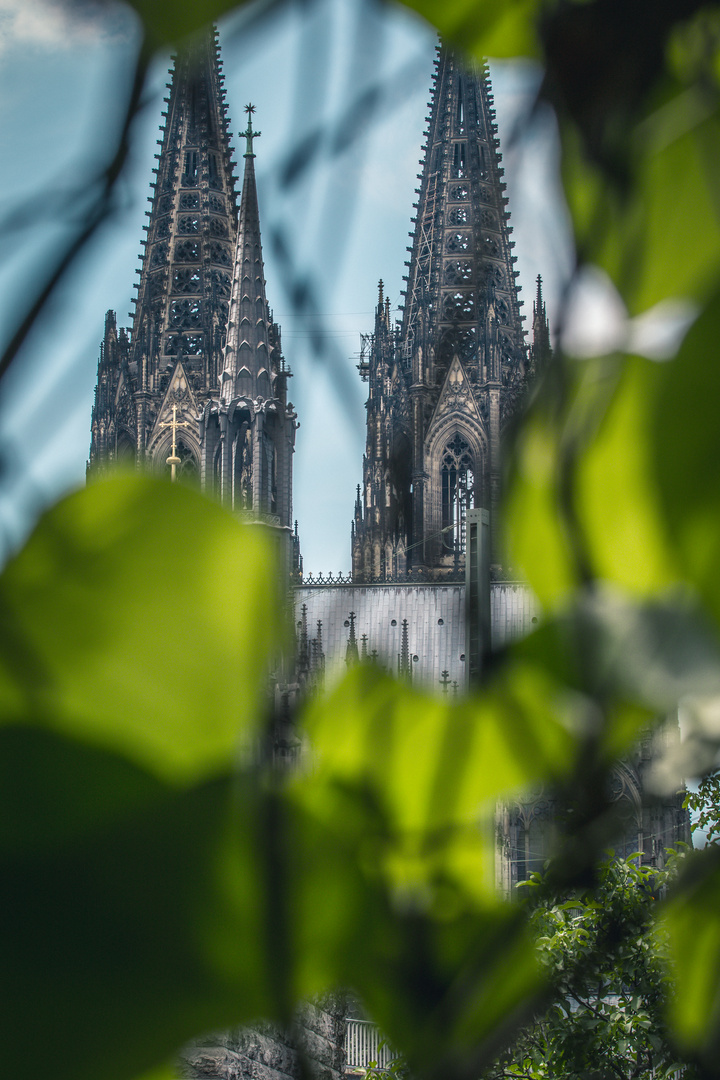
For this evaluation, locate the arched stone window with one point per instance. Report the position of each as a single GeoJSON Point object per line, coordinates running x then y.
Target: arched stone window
{"type": "Point", "coordinates": [531, 837]}
{"type": "Point", "coordinates": [125, 450]}
{"type": "Point", "coordinates": [458, 491]}
{"type": "Point", "coordinates": [187, 471]}
{"type": "Point", "coordinates": [217, 471]}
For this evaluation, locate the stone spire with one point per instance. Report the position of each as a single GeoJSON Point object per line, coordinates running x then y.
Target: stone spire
{"type": "Point", "coordinates": [247, 433]}
{"type": "Point", "coordinates": [184, 286]}
{"type": "Point", "coordinates": [351, 652]}
{"type": "Point", "coordinates": [174, 352]}
{"type": "Point", "coordinates": [541, 349]}
{"type": "Point", "coordinates": [461, 296]}
{"type": "Point", "coordinates": [251, 337]}
{"type": "Point", "coordinates": [404, 664]}
{"type": "Point", "coordinates": [443, 380]}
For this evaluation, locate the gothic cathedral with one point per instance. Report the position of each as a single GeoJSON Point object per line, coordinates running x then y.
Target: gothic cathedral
{"type": "Point", "coordinates": [198, 387]}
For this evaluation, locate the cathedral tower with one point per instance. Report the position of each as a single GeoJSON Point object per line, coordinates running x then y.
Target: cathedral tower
{"type": "Point", "coordinates": [443, 380]}
{"type": "Point", "coordinates": [248, 430]}
{"type": "Point", "coordinates": [173, 355]}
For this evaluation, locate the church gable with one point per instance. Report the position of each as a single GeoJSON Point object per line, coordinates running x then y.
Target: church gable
{"type": "Point", "coordinates": [179, 394]}
{"type": "Point", "coordinates": [456, 399]}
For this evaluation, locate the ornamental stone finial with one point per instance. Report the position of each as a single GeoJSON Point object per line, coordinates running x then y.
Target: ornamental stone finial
{"type": "Point", "coordinates": [249, 134]}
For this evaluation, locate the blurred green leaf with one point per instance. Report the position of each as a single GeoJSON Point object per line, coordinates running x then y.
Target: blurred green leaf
{"type": "Point", "coordinates": [631, 661]}
{"type": "Point", "coordinates": [131, 617]}
{"type": "Point", "coordinates": [165, 1072]}
{"type": "Point", "coordinates": [635, 233]}
{"type": "Point", "coordinates": [484, 29]}
{"type": "Point", "coordinates": [616, 489]}
{"type": "Point", "coordinates": [536, 539]}
{"type": "Point", "coordinates": [584, 498]}
{"type": "Point", "coordinates": [692, 919]}
{"type": "Point", "coordinates": [435, 767]}
{"type": "Point", "coordinates": [685, 445]}
{"type": "Point", "coordinates": [167, 24]}
{"type": "Point", "coordinates": [111, 927]}
{"type": "Point", "coordinates": [444, 973]}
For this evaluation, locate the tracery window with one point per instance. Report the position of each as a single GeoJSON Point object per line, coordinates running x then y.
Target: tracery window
{"type": "Point", "coordinates": [218, 227]}
{"type": "Point", "coordinates": [459, 305]}
{"type": "Point", "coordinates": [187, 471]}
{"type": "Point", "coordinates": [186, 281]}
{"type": "Point", "coordinates": [213, 172]}
{"type": "Point", "coordinates": [458, 242]}
{"type": "Point", "coordinates": [190, 171]}
{"type": "Point", "coordinates": [219, 253]}
{"type": "Point", "coordinates": [221, 283]}
{"type": "Point", "coordinates": [533, 835]}
{"type": "Point", "coordinates": [187, 251]}
{"type": "Point", "coordinates": [458, 216]}
{"type": "Point", "coordinates": [156, 285]}
{"type": "Point", "coordinates": [193, 344]}
{"type": "Point", "coordinates": [185, 313]}
{"type": "Point", "coordinates": [459, 270]}
{"type": "Point", "coordinates": [188, 224]}
{"type": "Point", "coordinates": [458, 492]}
{"type": "Point", "coordinates": [159, 254]}
{"type": "Point", "coordinates": [458, 169]}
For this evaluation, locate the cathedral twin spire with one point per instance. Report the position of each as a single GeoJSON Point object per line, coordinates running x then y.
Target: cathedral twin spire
{"type": "Point", "coordinates": [203, 341]}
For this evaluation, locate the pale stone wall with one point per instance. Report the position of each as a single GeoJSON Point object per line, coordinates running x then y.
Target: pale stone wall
{"type": "Point", "coordinates": [436, 623]}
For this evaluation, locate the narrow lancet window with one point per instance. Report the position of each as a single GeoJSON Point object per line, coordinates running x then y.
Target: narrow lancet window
{"type": "Point", "coordinates": [458, 492]}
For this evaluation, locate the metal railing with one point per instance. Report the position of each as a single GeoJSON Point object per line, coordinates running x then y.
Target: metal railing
{"type": "Point", "coordinates": [410, 577]}
{"type": "Point", "coordinates": [365, 1045]}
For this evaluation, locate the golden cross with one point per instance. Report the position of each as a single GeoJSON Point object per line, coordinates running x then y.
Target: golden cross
{"type": "Point", "coordinates": [173, 461]}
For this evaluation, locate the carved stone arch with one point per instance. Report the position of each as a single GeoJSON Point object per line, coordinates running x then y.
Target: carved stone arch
{"type": "Point", "coordinates": [625, 790]}
{"type": "Point", "coordinates": [242, 464]}
{"type": "Point", "coordinates": [187, 449]}
{"type": "Point", "coordinates": [264, 388]}
{"type": "Point", "coordinates": [400, 467]}
{"type": "Point", "coordinates": [456, 461]}
{"type": "Point", "coordinates": [531, 831]}
{"type": "Point", "coordinates": [217, 470]}
{"type": "Point", "coordinates": [471, 428]}
{"type": "Point", "coordinates": [125, 448]}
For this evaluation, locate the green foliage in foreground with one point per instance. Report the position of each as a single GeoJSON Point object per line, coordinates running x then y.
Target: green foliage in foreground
{"type": "Point", "coordinates": [155, 886]}
{"type": "Point", "coordinates": [607, 964]}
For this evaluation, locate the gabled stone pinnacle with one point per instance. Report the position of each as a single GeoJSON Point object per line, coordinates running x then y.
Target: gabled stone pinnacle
{"type": "Point", "coordinates": [250, 360]}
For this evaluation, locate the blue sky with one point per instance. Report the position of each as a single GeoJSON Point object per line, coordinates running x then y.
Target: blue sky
{"type": "Point", "coordinates": [345, 222]}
